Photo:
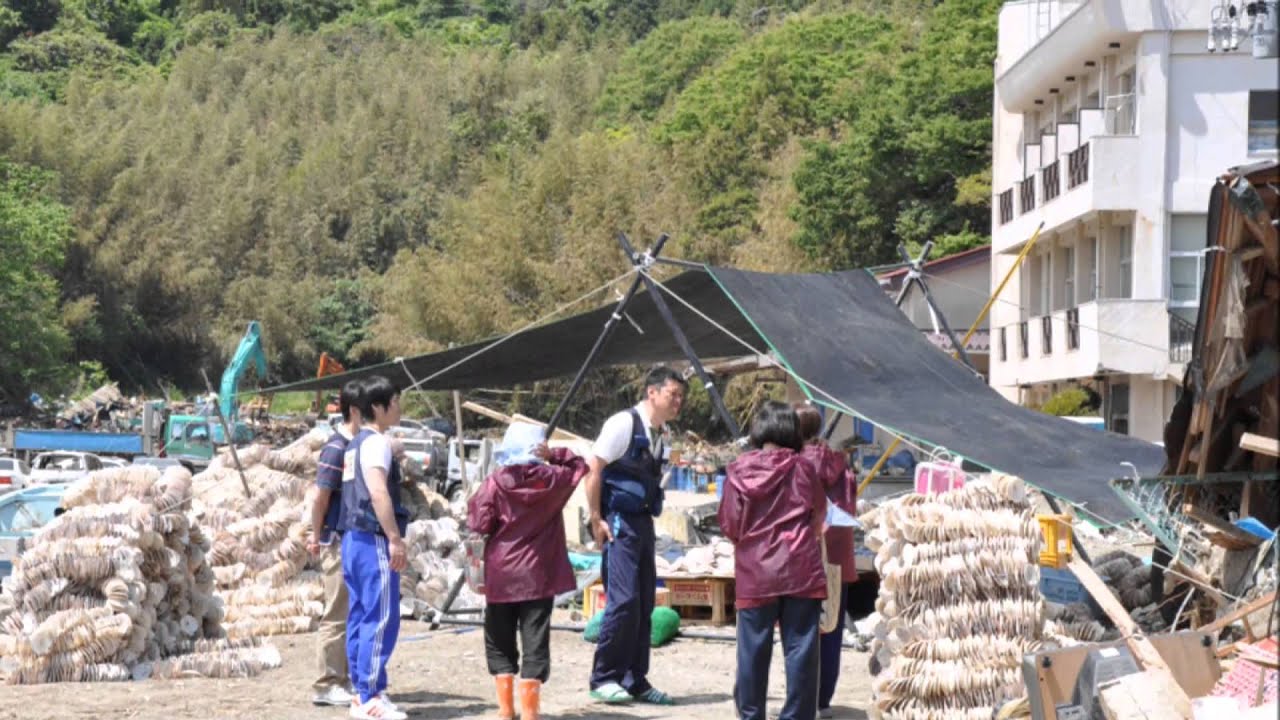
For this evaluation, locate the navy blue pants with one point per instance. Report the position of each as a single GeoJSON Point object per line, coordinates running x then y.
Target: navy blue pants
{"type": "Point", "coordinates": [799, 620]}
{"type": "Point", "coordinates": [832, 644]}
{"type": "Point", "coordinates": [629, 576]}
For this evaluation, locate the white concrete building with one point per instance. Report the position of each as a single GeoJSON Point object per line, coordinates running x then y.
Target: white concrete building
{"type": "Point", "coordinates": [1111, 122]}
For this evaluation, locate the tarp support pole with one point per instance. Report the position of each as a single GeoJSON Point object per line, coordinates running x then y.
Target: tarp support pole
{"type": "Point", "coordinates": [831, 426]}
{"type": "Point", "coordinates": [683, 341]}
{"type": "Point", "coordinates": [605, 334]}
{"type": "Point", "coordinates": [959, 347]}
{"type": "Point", "coordinates": [916, 275]}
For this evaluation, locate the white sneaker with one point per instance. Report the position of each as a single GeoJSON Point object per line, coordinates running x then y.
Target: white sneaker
{"type": "Point", "coordinates": [386, 700]}
{"type": "Point", "coordinates": [375, 709]}
{"type": "Point", "coordinates": [336, 695]}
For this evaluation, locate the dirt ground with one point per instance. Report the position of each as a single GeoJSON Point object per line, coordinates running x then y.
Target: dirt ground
{"type": "Point", "coordinates": [434, 674]}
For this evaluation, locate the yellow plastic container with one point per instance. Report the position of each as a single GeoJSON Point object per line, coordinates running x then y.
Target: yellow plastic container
{"type": "Point", "coordinates": [1057, 540]}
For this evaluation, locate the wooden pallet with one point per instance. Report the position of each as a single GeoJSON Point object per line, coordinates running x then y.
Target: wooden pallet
{"type": "Point", "coordinates": [708, 599]}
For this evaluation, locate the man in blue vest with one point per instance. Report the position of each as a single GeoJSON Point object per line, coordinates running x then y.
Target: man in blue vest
{"type": "Point", "coordinates": [624, 494]}
{"type": "Point", "coordinates": [373, 523]}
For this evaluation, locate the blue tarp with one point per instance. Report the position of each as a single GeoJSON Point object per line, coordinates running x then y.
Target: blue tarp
{"type": "Point", "coordinates": [94, 442]}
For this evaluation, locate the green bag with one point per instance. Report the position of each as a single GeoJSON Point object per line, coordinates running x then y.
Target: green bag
{"type": "Point", "coordinates": [665, 626]}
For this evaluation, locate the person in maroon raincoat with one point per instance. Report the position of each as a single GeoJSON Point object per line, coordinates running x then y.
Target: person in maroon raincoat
{"type": "Point", "coordinates": [526, 562]}
{"type": "Point", "coordinates": [773, 510]}
{"type": "Point", "coordinates": [841, 491]}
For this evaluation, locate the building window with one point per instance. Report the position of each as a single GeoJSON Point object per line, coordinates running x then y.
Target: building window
{"type": "Point", "coordinates": [1264, 122]}
{"type": "Point", "coordinates": [1091, 253]}
{"type": "Point", "coordinates": [1126, 261]}
{"type": "Point", "coordinates": [1188, 235]}
{"type": "Point", "coordinates": [1118, 409]}
{"type": "Point", "coordinates": [1069, 281]}
{"type": "Point", "coordinates": [1004, 345]}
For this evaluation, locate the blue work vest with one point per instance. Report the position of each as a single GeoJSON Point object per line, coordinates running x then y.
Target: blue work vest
{"type": "Point", "coordinates": [633, 482]}
{"type": "Point", "coordinates": [357, 507]}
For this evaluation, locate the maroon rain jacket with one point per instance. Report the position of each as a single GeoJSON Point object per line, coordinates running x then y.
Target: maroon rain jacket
{"type": "Point", "coordinates": [841, 490]}
{"type": "Point", "coordinates": [773, 509]}
{"type": "Point", "coordinates": [519, 507]}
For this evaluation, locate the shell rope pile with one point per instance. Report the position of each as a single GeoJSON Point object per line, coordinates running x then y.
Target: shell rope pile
{"type": "Point", "coordinates": [437, 558]}
{"type": "Point", "coordinates": [959, 599]}
{"type": "Point", "coordinates": [119, 587]}
{"type": "Point", "coordinates": [259, 553]}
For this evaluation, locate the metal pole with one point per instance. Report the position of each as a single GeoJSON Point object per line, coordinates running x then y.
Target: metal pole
{"type": "Point", "coordinates": [683, 341]}
{"type": "Point", "coordinates": [916, 275]}
{"type": "Point", "coordinates": [605, 334]}
{"type": "Point", "coordinates": [226, 433]}
{"type": "Point", "coordinates": [457, 434]}
{"type": "Point", "coordinates": [831, 426]}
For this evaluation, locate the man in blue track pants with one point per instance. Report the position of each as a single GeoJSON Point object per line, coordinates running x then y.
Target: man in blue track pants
{"type": "Point", "coordinates": [624, 494]}
{"type": "Point", "coordinates": [373, 552]}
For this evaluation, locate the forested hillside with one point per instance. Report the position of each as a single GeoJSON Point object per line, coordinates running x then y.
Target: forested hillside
{"type": "Point", "coordinates": [376, 178]}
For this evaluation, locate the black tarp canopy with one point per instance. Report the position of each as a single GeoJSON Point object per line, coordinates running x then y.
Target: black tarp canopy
{"type": "Point", "coordinates": [847, 345]}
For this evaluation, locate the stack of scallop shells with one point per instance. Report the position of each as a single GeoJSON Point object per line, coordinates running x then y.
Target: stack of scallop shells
{"type": "Point", "coordinates": [116, 586]}
{"type": "Point", "coordinates": [959, 599]}
{"type": "Point", "coordinates": [259, 555]}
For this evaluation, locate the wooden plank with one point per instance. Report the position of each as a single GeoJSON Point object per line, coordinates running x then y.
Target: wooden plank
{"type": "Point", "coordinates": [1260, 444]}
{"type": "Point", "coordinates": [1234, 615]}
{"type": "Point", "coordinates": [1143, 651]}
{"type": "Point", "coordinates": [477, 408]}
{"type": "Point", "coordinates": [1149, 695]}
{"type": "Point", "coordinates": [1236, 536]}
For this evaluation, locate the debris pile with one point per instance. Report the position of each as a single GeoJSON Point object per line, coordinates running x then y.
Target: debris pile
{"type": "Point", "coordinates": [437, 558]}
{"type": "Point", "coordinates": [259, 542]}
{"type": "Point", "coordinates": [715, 559]}
{"type": "Point", "coordinates": [119, 587]}
{"type": "Point", "coordinates": [959, 599]}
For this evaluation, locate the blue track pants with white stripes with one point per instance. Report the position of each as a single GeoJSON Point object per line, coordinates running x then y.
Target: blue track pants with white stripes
{"type": "Point", "coordinates": [373, 617]}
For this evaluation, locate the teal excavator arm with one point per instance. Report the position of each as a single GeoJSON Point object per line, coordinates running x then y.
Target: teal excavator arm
{"type": "Point", "coordinates": [250, 350]}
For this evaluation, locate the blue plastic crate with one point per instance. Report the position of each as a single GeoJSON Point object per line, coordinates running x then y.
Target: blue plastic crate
{"type": "Point", "coordinates": [1061, 586]}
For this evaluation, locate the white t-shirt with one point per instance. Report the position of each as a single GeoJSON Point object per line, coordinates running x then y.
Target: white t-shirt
{"type": "Point", "coordinates": [615, 436]}
{"type": "Point", "coordinates": [375, 452]}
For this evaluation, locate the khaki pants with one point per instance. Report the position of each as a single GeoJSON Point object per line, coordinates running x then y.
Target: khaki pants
{"type": "Point", "coordinates": [331, 643]}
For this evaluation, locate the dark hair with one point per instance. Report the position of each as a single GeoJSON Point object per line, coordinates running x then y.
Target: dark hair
{"type": "Point", "coordinates": [808, 422]}
{"type": "Point", "coordinates": [375, 390]}
{"type": "Point", "coordinates": [349, 398]}
{"type": "Point", "coordinates": [775, 422]}
{"type": "Point", "coordinates": [659, 376]}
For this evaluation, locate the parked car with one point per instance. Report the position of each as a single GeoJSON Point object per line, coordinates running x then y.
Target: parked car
{"type": "Point", "coordinates": [63, 467]}
{"type": "Point", "coordinates": [114, 462]}
{"type": "Point", "coordinates": [13, 474]}
{"type": "Point", "coordinates": [164, 462]}
{"type": "Point", "coordinates": [22, 513]}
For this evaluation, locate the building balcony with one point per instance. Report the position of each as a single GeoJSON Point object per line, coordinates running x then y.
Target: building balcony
{"type": "Point", "coordinates": [1102, 336]}
{"type": "Point", "coordinates": [1099, 175]}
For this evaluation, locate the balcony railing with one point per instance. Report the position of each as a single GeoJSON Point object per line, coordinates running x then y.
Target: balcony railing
{"type": "Point", "coordinates": [1182, 337]}
{"type": "Point", "coordinates": [1046, 335]}
{"type": "Point", "coordinates": [1027, 194]}
{"type": "Point", "coordinates": [1024, 340]}
{"type": "Point", "coordinates": [1073, 329]}
{"type": "Point", "coordinates": [1050, 180]}
{"type": "Point", "coordinates": [1078, 167]}
{"type": "Point", "coordinates": [1006, 206]}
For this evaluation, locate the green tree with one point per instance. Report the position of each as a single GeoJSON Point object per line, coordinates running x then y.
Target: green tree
{"type": "Point", "coordinates": [913, 163]}
{"type": "Point", "coordinates": [34, 232]}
